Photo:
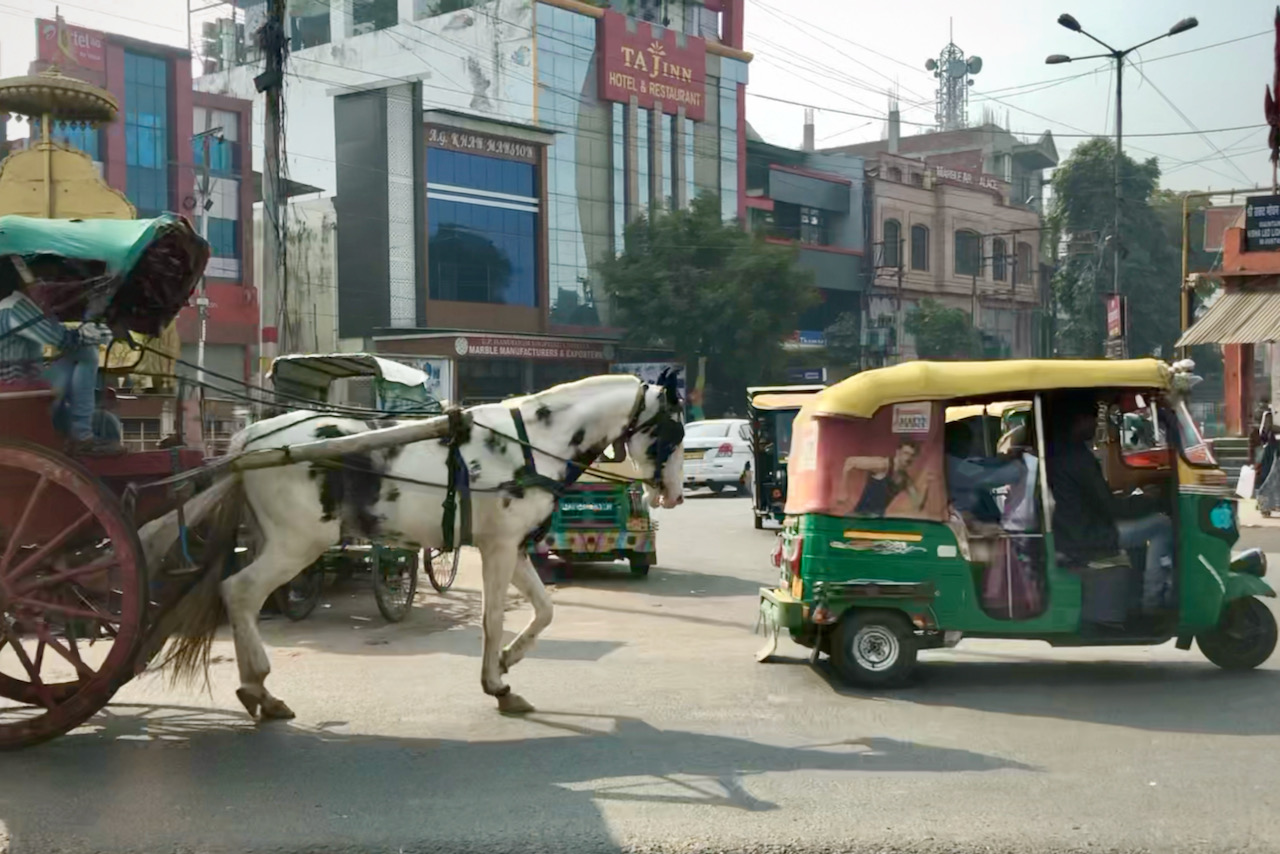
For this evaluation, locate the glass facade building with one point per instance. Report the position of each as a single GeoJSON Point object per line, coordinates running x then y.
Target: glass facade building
{"type": "Point", "coordinates": [146, 129]}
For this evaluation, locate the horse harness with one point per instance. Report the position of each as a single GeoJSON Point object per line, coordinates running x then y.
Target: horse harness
{"type": "Point", "coordinates": [668, 434]}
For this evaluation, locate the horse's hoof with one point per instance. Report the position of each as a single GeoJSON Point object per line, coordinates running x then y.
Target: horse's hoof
{"type": "Point", "coordinates": [249, 701]}
{"type": "Point", "coordinates": [514, 704]}
{"type": "Point", "coordinates": [276, 710]}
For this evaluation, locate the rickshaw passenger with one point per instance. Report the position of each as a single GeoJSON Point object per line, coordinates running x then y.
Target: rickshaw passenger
{"type": "Point", "coordinates": [24, 332]}
{"type": "Point", "coordinates": [1089, 521]}
{"type": "Point", "coordinates": [971, 480]}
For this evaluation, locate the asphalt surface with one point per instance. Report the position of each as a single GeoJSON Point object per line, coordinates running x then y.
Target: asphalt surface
{"type": "Point", "coordinates": [657, 731]}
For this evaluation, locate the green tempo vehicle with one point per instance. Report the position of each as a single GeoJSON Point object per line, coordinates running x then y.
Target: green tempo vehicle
{"type": "Point", "coordinates": [881, 555]}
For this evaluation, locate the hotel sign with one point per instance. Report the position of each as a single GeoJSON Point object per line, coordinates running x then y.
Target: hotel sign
{"type": "Point", "coordinates": [649, 65]}
{"type": "Point", "coordinates": [481, 143]}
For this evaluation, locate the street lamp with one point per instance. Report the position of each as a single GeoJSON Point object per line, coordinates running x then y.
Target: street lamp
{"type": "Point", "coordinates": [1119, 57]}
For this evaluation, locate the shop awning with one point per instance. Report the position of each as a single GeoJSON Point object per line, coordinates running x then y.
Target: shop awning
{"type": "Point", "coordinates": [1237, 317]}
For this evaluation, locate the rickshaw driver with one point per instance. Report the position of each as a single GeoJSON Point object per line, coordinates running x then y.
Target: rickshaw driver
{"type": "Point", "coordinates": [1090, 521]}
{"type": "Point", "coordinates": [24, 331]}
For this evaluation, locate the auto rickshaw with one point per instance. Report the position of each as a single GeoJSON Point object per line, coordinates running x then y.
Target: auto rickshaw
{"type": "Point", "coordinates": [877, 564]}
{"type": "Point", "coordinates": [771, 410]}
{"type": "Point", "coordinates": [360, 384]}
{"type": "Point", "coordinates": [599, 520]}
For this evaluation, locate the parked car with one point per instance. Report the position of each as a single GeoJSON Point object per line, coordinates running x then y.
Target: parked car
{"type": "Point", "coordinates": [717, 453]}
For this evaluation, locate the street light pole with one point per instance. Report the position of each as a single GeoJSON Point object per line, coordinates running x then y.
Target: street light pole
{"type": "Point", "coordinates": [1119, 57]}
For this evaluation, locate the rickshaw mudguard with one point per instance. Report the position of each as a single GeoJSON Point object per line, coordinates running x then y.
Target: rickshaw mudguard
{"type": "Point", "coordinates": [1239, 585]}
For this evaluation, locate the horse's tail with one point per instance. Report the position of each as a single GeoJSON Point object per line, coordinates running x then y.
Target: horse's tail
{"type": "Point", "coordinates": [195, 619]}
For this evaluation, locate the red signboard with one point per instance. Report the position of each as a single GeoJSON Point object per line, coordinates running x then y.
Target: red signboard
{"type": "Point", "coordinates": [1115, 316]}
{"type": "Point", "coordinates": [507, 347]}
{"type": "Point", "coordinates": [648, 64]}
{"type": "Point", "coordinates": [62, 44]}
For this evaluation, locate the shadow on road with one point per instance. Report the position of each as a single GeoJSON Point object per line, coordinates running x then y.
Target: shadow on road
{"type": "Point", "coordinates": [187, 778]}
{"type": "Point", "coordinates": [661, 581]}
{"type": "Point", "coordinates": [1166, 696]}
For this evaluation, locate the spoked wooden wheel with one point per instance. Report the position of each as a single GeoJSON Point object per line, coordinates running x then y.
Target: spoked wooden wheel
{"type": "Point", "coordinates": [72, 595]}
{"type": "Point", "coordinates": [395, 581]}
{"type": "Point", "coordinates": [442, 568]}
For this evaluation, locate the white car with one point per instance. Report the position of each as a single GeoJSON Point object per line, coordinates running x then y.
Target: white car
{"type": "Point", "coordinates": [717, 453]}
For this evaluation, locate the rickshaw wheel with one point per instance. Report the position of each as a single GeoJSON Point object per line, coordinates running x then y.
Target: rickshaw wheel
{"type": "Point", "coordinates": [442, 568]}
{"type": "Point", "coordinates": [640, 563]}
{"type": "Point", "coordinates": [1244, 638]}
{"type": "Point", "coordinates": [874, 648]}
{"type": "Point", "coordinates": [297, 599]}
{"type": "Point", "coordinates": [395, 582]}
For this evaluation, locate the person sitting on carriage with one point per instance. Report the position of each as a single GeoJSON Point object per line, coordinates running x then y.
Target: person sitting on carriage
{"type": "Point", "coordinates": [25, 330]}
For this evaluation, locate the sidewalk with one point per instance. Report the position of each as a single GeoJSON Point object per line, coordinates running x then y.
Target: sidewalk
{"type": "Point", "coordinates": [1251, 518]}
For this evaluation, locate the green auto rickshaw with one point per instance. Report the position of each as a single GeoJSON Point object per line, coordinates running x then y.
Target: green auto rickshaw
{"type": "Point", "coordinates": [883, 554]}
{"type": "Point", "coordinates": [771, 410]}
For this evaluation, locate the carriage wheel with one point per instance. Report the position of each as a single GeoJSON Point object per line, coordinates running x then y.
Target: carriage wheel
{"type": "Point", "coordinates": [72, 595]}
{"type": "Point", "coordinates": [297, 599]}
{"type": "Point", "coordinates": [395, 581]}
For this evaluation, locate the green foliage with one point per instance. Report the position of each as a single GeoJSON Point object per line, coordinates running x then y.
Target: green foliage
{"type": "Point", "coordinates": [1150, 267]}
{"type": "Point", "coordinates": [691, 283]}
{"type": "Point", "coordinates": [844, 340]}
{"type": "Point", "coordinates": [942, 332]}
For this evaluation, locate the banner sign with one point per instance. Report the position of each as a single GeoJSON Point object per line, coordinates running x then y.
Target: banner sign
{"type": "Point", "coordinates": [530, 348]}
{"type": "Point", "coordinates": [648, 64]}
{"type": "Point", "coordinates": [1262, 223]}
{"type": "Point", "coordinates": [1115, 316]}
{"type": "Point", "coordinates": [62, 44]}
{"type": "Point", "coordinates": [469, 142]}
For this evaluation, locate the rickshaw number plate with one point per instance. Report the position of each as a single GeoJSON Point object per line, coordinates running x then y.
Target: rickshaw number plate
{"type": "Point", "coordinates": [768, 626]}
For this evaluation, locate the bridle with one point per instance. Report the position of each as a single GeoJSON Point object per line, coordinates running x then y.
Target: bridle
{"type": "Point", "coordinates": [666, 426]}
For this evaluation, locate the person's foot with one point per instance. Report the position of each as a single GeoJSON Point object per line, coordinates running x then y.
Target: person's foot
{"type": "Point", "coordinates": [95, 447]}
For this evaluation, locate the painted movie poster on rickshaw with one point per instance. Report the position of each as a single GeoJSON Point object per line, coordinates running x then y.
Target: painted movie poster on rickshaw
{"type": "Point", "coordinates": [886, 466]}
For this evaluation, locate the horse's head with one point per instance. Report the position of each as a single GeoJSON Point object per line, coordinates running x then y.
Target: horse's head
{"type": "Point", "coordinates": [655, 442]}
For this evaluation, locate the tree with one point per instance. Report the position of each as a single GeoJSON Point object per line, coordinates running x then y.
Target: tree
{"type": "Point", "coordinates": [942, 332]}
{"type": "Point", "coordinates": [1083, 215]}
{"type": "Point", "coordinates": [844, 341]}
{"type": "Point", "coordinates": [689, 282]}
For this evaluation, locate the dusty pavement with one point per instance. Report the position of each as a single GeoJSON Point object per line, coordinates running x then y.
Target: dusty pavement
{"type": "Point", "coordinates": [657, 731]}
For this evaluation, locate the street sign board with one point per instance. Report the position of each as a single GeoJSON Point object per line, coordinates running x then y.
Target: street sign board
{"type": "Point", "coordinates": [1262, 224]}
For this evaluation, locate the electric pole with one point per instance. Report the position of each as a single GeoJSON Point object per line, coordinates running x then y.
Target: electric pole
{"type": "Point", "coordinates": [274, 44]}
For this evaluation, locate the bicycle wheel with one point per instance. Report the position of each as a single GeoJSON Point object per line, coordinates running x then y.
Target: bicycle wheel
{"type": "Point", "coordinates": [395, 581]}
{"type": "Point", "coordinates": [442, 568]}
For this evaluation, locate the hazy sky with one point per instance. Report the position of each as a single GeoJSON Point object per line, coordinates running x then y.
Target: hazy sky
{"type": "Point", "coordinates": [820, 52]}
{"type": "Point", "coordinates": [845, 55]}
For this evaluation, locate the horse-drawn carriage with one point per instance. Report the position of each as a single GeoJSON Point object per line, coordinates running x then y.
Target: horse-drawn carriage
{"type": "Point", "coordinates": [77, 604]}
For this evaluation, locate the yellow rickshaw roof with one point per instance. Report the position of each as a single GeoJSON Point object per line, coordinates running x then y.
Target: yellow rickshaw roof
{"type": "Point", "coordinates": [782, 400]}
{"type": "Point", "coordinates": [862, 394]}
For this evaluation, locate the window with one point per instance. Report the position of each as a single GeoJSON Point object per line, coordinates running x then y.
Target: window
{"type": "Point", "coordinates": [707, 430]}
{"type": "Point", "coordinates": [813, 227]}
{"type": "Point", "coordinates": [919, 247]}
{"type": "Point", "coordinates": [1026, 265]}
{"type": "Point", "coordinates": [892, 241]}
{"type": "Point", "coordinates": [308, 24]}
{"type": "Point", "coordinates": [483, 222]}
{"type": "Point", "coordinates": [999, 249]}
{"type": "Point", "coordinates": [431, 8]}
{"type": "Point", "coordinates": [74, 134]}
{"type": "Point", "coordinates": [223, 237]}
{"type": "Point", "coordinates": [917, 178]}
{"type": "Point", "coordinates": [895, 174]}
{"type": "Point", "coordinates": [146, 132]}
{"type": "Point", "coordinates": [370, 15]}
{"type": "Point", "coordinates": [140, 434]}
{"type": "Point", "coordinates": [968, 253]}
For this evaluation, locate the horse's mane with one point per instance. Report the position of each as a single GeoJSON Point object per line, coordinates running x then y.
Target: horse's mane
{"type": "Point", "coordinates": [561, 395]}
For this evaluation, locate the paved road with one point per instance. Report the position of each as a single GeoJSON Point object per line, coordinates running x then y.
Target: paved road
{"type": "Point", "coordinates": [657, 731]}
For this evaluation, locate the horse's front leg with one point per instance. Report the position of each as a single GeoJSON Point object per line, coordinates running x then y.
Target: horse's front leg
{"type": "Point", "coordinates": [526, 580]}
{"type": "Point", "coordinates": [498, 563]}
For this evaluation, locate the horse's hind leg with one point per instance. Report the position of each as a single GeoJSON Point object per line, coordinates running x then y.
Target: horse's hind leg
{"type": "Point", "coordinates": [526, 580]}
{"type": "Point", "coordinates": [497, 565]}
{"type": "Point", "coordinates": [244, 594]}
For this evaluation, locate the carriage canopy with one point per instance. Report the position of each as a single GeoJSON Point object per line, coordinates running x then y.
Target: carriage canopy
{"type": "Point", "coordinates": [131, 274]}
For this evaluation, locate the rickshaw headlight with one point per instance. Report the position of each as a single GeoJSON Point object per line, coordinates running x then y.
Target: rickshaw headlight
{"type": "Point", "coordinates": [1251, 562]}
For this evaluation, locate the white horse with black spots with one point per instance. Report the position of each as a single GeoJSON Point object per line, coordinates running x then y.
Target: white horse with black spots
{"type": "Point", "coordinates": [299, 511]}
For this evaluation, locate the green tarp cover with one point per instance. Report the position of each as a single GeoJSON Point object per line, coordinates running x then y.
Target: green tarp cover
{"type": "Point", "coordinates": [117, 243]}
